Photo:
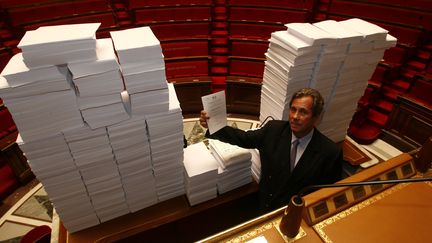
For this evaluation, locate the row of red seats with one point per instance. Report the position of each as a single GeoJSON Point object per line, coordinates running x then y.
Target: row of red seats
{"type": "Point", "coordinates": [283, 16]}
{"type": "Point", "coordinates": [166, 14]}
{"type": "Point", "coordinates": [396, 15]}
{"type": "Point", "coordinates": [414, 4]}
{"type": "Point", "coordinates": [154, 3]}
{"type": "Point", "coordinates": [304, 4]}
{"type": "Point", "coordinates": [179, 68]}
{"type": "Point", "coordinates": [107, 20]}
{"type": "Point", "coordinates": [44, 12]}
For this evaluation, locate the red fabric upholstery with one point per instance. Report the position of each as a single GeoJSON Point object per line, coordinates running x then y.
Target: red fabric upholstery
{"type": "Point", "coordinates": [8, 181]}
{"type": "Point", "coordinates": [40, 234]}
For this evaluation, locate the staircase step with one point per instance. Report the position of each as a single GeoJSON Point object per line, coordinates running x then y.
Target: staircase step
{"type": "Point", "coordinates": [390, 93]}
{"type": "Point", "coordinates": [377, 117]}
{"type": "Point", "coordinates": [219, 50]}
{"type": "Point", "coordinates": [219, 33]}
{"type": "Point", "coordinates": [220, 25]}
{"type": "Point", "coordinates": [384, 105]}
{"type": "Point", "coordinates": [219, 60]}
{"type": "Point", "coordinates": [219, 41]}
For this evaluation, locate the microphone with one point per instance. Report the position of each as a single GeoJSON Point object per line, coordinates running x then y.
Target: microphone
{"type": "Point", "coordinates": [291, 220]}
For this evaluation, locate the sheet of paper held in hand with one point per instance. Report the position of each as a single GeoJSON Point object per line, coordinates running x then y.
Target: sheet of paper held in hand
{"type": "Point", "coordinates": [215, 106]}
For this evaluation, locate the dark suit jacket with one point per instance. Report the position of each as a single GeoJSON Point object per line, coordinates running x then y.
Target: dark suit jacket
{"type": "Point", "coordinates": [321, 162]}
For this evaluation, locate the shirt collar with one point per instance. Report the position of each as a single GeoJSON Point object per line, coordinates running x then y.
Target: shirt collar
{"type": "Point", "coordinates": [304, 139]}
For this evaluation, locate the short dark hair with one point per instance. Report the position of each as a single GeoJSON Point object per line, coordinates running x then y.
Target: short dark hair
{"type": "Point", "coordinates": [318, 101]}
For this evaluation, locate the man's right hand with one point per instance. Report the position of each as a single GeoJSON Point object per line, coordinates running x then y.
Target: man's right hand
{"type": "Point", "coordinates": [203, 119]}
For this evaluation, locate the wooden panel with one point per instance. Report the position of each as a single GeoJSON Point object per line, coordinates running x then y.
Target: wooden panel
{"type": "Point", "coordinates": [189, 95]}
{"type": "Point", "coordinates": [243, 98]}
{"type": "Point", "coordinates": [411, 121]}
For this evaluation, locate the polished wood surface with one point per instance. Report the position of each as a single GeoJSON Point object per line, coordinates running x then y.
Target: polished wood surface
{"type": "Point", "coordinates": [156, 221]}
{"type": "Point", "coordinates": [399, 213]}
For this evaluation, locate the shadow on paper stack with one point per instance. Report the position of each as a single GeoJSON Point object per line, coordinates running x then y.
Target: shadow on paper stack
{"type": "Point", "coordinates": [201, 173]}
{"type": "Point", "coordinates": [234, 165]}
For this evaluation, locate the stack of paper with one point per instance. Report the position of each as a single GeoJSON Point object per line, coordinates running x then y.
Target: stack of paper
{"type": "Point", "coordinates": [53, 165]}
{"type": "Point", "coordinates": [66, 191]}
{"type": "Point", "coordinates": [234, 165]}
{"type": "Point", "coordinates": [149, 102]}
{"type": "Point", "coordinates": [336, 58]}
{"type": "Point", "coordinates": [44, 115]}
{"type": "Point", "coordinates": [289, 67]}
{"type": "Point", "coordinates": [54, 45]}
{"type": "Point", "coordinates": [99, 84]}
{"type": "Point", "coordinates": [17, 80]}
{"type": "Point", "coordinates": [93, 156]}
{"type": "Point", "coordinates": [359, 64]}
{"type": "Point", "coordinates": [141, 59]}
{"type": "Point", "coordinates": [165, 131]}
{"type": "Point", "coordinates": [201, 173]}
{"type": "Point", "coordinates": [131, 148]}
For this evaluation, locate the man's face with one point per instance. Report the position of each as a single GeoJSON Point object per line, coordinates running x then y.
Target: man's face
{"type": "Point", "coordinates": [300, 117]}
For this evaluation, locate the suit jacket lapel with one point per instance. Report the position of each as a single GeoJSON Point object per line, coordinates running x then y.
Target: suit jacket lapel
{"type": "Point", "coordinates": [312, 150]}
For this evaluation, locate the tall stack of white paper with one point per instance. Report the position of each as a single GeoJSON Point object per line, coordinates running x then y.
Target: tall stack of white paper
{"type": "Point", "coordinates": [93, 156]}
{"type": "Point", "coordinates": [289, 67]}
{"type": "Point", "coordinates": [141, 59]}
{"type": "Point", "coordinates": [53, 165]}
{"type": "Point", "coordinates": [99, 84]}
{"type": "Point", "coordinates": [61, 44]}
{"type": "Point", "coordinates": [336, 58]}
{"type": "Point", "coordinates": [131, 148]}
{"type": "Point", "coordinates": [234, 165]}
{"type": "Point", "coordinates": [21, 81]}
{"type": "Point", "coordinates": [165, 131]}
{"type": "Point", "coordinates": [201, 173]}
{"type": "Point", "coordinates": [358, 66]}
{"type": "Point", "coordinates": [41, 100]}
{"type": "Point", "coordinates": [149, 102]}
{"type": "Point", "coordinates": [44, 115]}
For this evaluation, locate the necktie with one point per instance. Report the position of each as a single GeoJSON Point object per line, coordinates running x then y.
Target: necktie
{"type": "Point", "coordinates": [293, 153]}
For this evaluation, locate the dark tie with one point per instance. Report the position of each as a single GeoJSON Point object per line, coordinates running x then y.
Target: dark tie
{"type": "Point", "coordinates": [293, 153]}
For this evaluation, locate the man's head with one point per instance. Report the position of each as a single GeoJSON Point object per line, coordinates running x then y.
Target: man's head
{"type": "Point", "coordinates": [306, 106]}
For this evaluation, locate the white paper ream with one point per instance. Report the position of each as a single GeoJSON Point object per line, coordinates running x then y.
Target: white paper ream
{"type": "Point", "coordinates": [311, 34]}
{"type": "Point", "coordinates": [370, 31]}
{"type": "Point", "coordinates": [106, 61]}
{"type": "Point", "coordinates": [58, 34]}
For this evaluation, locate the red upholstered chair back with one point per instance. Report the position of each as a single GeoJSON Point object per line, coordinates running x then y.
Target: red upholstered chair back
{"type": "Point", "coordinates": [40, 234]}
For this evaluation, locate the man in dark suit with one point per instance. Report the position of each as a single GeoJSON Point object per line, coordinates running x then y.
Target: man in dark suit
{"type": "Point", "coordinates": [293, 154]}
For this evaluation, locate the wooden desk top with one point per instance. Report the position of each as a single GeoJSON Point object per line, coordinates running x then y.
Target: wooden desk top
{"type": "Point", "coordinates": [151, 217]}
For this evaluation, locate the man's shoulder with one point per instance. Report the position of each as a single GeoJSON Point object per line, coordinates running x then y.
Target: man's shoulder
{"type": "Point", "coordinates": [325, 141]}
{"type": "Point", "coordinates": [277, 126]}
